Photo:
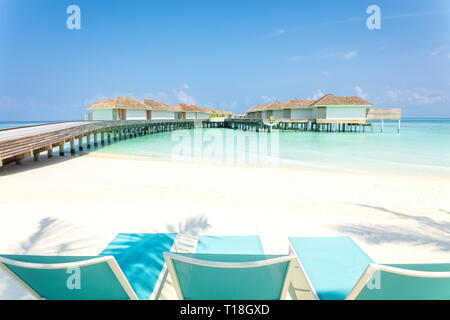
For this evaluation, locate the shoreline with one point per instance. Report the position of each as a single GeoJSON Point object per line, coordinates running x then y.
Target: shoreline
{"type": "Point", "coordinates": [106, 155]}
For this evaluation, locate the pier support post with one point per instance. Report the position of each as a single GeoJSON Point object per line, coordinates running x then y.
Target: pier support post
{"type": "Point", "coordinates": [382, 125]}
{"type": "Point", "coordinates": [102, 138]}
{"type": "Point", "coordinates": [50, 152]}
{"type": "Point", "coordinates": [36, 156]}
{"type": "Point", "coordinates": [61, 150]}
{"type": "Point", "coordinates": [398, 129]}
{"type": "Point", "coordinates": [88, 141]}
{"type": "Point", "coordinates": [72, 147]}
{"type": "Point", "coordinates": [80, 144]}
{"type": "Point", "coordinates": [95, 140]}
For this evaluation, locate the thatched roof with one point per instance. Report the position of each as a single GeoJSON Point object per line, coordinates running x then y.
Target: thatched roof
{"type": "Point", "coordinates": [155, 105]}
{"type": "Point", "coordinates": [129, 103]}
{"type": "Point", "coordinates": [327, 100]}
{"type": "Point", "coordinates": [332, 100]}
{"type": "Point", "coordinates": [118, 103]}
{"type": "Point", "coordinates": [296, 103]}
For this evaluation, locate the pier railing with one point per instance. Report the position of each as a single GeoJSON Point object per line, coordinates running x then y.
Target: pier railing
{"type": "Point", "coordinates": [19, 143]}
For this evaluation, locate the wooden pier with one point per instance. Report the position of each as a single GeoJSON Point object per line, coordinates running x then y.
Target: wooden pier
{"type": "Point", "coordinates": [318, 125]}
{"type": "Point", "coordinates": [17, 144]}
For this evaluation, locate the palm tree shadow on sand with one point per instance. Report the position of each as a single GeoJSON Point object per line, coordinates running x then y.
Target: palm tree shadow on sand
{"type": "Point", "coordinates": [378, 234]}
{"type": "Point", "coordinates": [50, 238]}
{"type": "Point", "coordinates": [188, 232]}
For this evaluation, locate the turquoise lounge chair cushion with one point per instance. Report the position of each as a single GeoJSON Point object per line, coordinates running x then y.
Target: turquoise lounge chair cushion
{"type": "Point", "coordinates": [230, 244]}
{"type": "Point", "coordinates": [97, 280]}
{"type": "Point", "coordinates": [140, 256]}
{"type": "Point", "coordinates": [216, 283]}
{"type": "Point", "coordinates": [333, 264]}
{"type": "Point", "coordinates": [394, 286]}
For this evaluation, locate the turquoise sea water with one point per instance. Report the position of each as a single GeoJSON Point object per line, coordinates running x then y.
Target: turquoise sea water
{"type": "Point", "coordinates": [421, 148]}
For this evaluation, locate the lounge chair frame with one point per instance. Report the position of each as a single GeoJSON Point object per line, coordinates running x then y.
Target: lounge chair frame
{"type": "Point", "coordinates": [112, 263]}
{"type": "Point", "coordinates": [169, 257]}
{"type": "Point", "coordinates": [110, 260]}
{"type": "Point", "coordinates": [374, 267]}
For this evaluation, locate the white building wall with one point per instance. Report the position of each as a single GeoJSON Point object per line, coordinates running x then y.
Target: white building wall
{"type": "Point", "coordinates": [348, 113]}
{"type": "Point", "coordinates": [278, 114]}
{"type": "Point", "coordinates": [136, 114]}
{"type": "Point", "coordinates": [162, 115]}
{"type": "Point", "coordinates": [102, 114]}
{"type": "Point", "coordinates": [202, 115]}
{"type": "Point", "coordinates": [301, 114]}
{"type": "Point", "coordinates": [190, 115]}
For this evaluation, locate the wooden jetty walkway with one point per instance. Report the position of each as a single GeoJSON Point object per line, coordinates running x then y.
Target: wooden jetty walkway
{"type": "Point", "coordinates": [17, 144]}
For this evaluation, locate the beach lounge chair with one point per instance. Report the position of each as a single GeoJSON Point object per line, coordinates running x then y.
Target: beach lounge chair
{"type": "Point", "coordinates": [131, 267]}
{"type": "Point", "coordinates": [229, 268]}
{"type": "Point", "coordinates": [336, 268]}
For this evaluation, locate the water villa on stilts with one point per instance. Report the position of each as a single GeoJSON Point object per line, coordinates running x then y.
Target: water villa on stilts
{"type": "Point", "coordinates": [328, 114]}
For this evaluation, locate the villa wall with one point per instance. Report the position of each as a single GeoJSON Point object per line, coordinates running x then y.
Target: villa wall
{"type": "Point", "coordinates": [337, 113]}
{"type": "Point", "coordinates": [102, 114]}
{"type": "Point", "coordinates": [136, 114]}
{"type": "Point", "coordinates": [202, 115]}
{"type": "Point", "coordinates": [163, 115]}
{"type": "Point", "coordinates": [278, 114]}
{"type": "Point", "coordinates": [301, 114]}
{"type": "Point", "coordinates": [264, 115]}
{"type": "Point", "coordinates": [191, 115]}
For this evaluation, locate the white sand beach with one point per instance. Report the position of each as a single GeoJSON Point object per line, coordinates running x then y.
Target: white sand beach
{"type": "Point", "coordinates": [75, 206]}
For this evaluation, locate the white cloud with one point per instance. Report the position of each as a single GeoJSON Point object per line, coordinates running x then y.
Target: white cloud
{"type": "Point", "coordinates": [182, 95]}
{"type": "Point", "coordinates": [233, 105]}
{"type": "Point", "coordinates": [8, 103]}
{"type": "Point", "coordinates": [350, 54]}
{"type": "Point", "coordinates": [360, 93]}
{"type": "Point", "coordinates": [97, 98]}
{"type": "Point", "coordinates": [267, 99]}
{"type": "Point", "coordinates": [316, 95]}
{"type": "Point", "coordinates": [435, 52]}
{"type": "Point", "coordinates": [417, 96]}
{"type": "Point", "coordinates": [276, 33]}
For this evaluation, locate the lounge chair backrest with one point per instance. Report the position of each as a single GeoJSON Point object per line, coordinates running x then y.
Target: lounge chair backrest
{"type": "Point", "coordinates": [403, 282]}
{"type": "Point", "coordinates": [68, 277]}
{"type": "Point", "coordinates": [229, 276]}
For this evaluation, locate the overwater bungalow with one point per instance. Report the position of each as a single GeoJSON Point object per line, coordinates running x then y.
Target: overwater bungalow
{"type": "Point", "coordinates": [122, 108]}
{"type": "Point", "coordinates": [329, 107]}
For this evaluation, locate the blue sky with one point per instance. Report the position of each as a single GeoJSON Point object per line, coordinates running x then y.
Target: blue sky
{"type": "Point", "coordinates": [221, 54]}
